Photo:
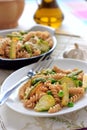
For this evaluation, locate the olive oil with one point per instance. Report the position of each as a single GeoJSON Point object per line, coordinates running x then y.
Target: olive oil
{"type": "Point", "coordinates": [49, 13]}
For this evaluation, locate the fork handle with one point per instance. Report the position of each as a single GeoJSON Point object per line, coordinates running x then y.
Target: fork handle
{"type": "Point", "coordinates": [5, 96]}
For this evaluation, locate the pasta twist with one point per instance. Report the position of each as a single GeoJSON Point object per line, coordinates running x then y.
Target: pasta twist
{"type": "Point", "coordinates": [57, 76]}
{"type": "Point", "coordinates": [75, 98]}
{"type": "Point", "coordinates": [74, 91]}
{"type": "Point", "coordinates": [43, 89]}
{"type": "Point", "coordinates": [54, 92]}
{"type": "Point", "coordinates": [80, 76]}
{"type": "Point", "coordinates": [33, 100]}
{"type": "Point", "coordinates": [58, 70]}
{"type": "Point", "coordinates": [29, 105]}
{"type": "Point", "coordinates": [55, 108]}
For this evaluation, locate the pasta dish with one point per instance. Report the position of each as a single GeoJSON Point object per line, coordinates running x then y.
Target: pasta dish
{"type": "Point", "coordinates": [52, 89]}
{"type": "Point", "coordinates": [25, 44]}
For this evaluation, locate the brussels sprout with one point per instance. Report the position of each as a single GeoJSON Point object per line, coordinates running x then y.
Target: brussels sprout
{"type": "Point", "coordinates": [45, 103]}
{"type": "Point", "coordinates": [69, 81]}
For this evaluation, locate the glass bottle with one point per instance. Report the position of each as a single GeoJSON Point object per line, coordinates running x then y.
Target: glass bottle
{"type": "Point", "coordinates": [49, 13]}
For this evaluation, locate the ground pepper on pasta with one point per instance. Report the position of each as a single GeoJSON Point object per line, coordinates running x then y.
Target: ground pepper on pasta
{"type": "Point", "coordinates": [25, 44]}
{"type": "Point", "coordinates": [53, 89]}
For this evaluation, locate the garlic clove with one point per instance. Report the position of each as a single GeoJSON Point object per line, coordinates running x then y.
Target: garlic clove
{"type": "Point", "coordinates": [75, 53]}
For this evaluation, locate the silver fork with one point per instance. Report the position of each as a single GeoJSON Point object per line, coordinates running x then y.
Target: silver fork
{"type": "Point", "coordinates": [40, 65]}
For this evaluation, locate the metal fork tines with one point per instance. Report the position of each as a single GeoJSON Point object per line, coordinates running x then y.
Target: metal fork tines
{"type": "Point", "coordinates": [37, 67]}
{"type": "Point", "coordinates": [40, 65]}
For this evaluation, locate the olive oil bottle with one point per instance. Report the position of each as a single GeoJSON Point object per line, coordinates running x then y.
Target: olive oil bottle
{"type": "Point", "coordinates": [49, 13]}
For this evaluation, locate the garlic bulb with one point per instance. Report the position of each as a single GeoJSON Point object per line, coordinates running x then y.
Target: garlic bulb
{"type": "Point", "coordinates": [75, 53]}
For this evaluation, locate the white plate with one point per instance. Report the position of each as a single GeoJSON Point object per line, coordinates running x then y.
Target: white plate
{"type": "Point", "coordinates": [14, 103]}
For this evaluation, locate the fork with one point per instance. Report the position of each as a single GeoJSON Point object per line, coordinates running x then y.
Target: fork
{"type": "Point", "coordinates": [40, 65]}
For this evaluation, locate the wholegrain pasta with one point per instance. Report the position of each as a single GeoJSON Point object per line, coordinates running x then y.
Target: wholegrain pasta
{"type": "Point", "coordinates": [58, 70]}
{"type": "Point", "coordinates": [76, 97]}
{"type": "Point", "coordinates": [26, 44]}
{"type": "Point", "coordinates": [30, 103]}
{"type": "Point", "coordinates": [52, 89]}
{"type": "Point", "coordinates": [55, 108]}
{"type": "Point", "coordinates": [74, 90]}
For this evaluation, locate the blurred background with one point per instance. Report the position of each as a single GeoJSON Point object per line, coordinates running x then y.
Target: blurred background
{"type": "Point", "coordinates": [77, 7]}
{"type": "Point", "coordinates": [74, 11]}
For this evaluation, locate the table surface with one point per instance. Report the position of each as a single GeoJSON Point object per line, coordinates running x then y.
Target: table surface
{"type": "Point", "coordinates": [72, 121]}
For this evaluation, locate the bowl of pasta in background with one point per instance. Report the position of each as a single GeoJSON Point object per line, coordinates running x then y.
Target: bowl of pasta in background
{"type": "Point", "coordinates": [24, 58]}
